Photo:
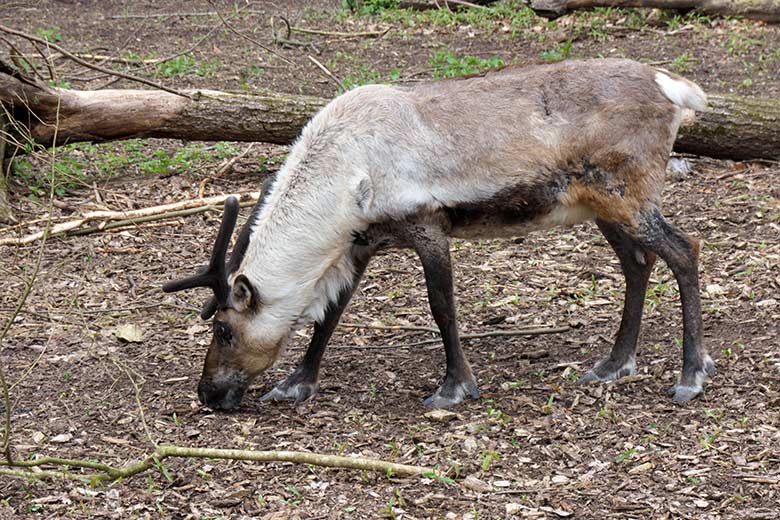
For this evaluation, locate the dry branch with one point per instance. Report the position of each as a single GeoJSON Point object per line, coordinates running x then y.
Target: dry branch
{"type": "Point", "coordinates": [328, 73]}
{"type": "Point", "coordinates": [110, 473]}
{"type": "Point", "coordinates": [114, 219]}
{"type": "Point", "coordinates": [249, 38]}
{"type": "Point", "coordinates": [87, 64]}
{"type": "Point", "coordinates": [223, 169]}
{"type": "Point", "coordinates": [339, 34]}
{"type": "Point", "coordinates": [767, 10]}
{"type": "Point", "coordinates": [118, 59]}
{"type": "Point", "coordinates": [535, 331]}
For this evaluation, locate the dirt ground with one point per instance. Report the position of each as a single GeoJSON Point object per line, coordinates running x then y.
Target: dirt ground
{"type": "Point", "coordinates": [535, 445]}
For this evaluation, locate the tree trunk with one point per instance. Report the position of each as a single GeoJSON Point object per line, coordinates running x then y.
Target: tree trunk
{"type": "Point", "coordinates": [735, 127]}
{"type": "Point", "coordinates": [767, 10]}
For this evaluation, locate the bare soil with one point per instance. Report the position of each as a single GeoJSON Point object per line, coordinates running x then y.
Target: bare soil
{"type": "Point", "coordinates": [537, 444]}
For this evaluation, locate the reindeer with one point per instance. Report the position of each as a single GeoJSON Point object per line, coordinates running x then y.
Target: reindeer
{"type": "Point", "coordinates": [499, 154]}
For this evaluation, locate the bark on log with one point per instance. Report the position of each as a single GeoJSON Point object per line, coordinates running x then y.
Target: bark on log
{"type": "Point", "coordinates": [107, 115]}
{"type": "Point", "coordinates": [735, 127]}
{"type": "Point", "coordinates": [767, 10]}
{"type": "Point", "coordinates": [6, 215]}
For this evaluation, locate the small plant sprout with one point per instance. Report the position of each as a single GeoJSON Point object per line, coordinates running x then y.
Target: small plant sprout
{"type": "Point", "coordinates": [626, 455]}
{"type": "Point", "coordinates": [488, 458]}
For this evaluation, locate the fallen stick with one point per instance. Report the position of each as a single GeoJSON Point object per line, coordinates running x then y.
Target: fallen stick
{"type": "Point", "coordinates": [168, 15]}
{"type": "Point", "coordinates": [110, 473]}
{"type": "Point", "coordinates": [388, 327]}
{"type": "Point", "coordinates": [476, 335]}
{"type": "Point", "coordinates": [328, 73]}
{"type": "Point", "coordinates": [226, 166]}
{"type": "Point", "coordinates": [758, 479]}
{"type": "Point", "coordinates": [118, 59]}
{"type": "Point", "coordinates": [339, 34]}
{"type": "Point", "coordinates": [85, 63]}
{"type": "Point", "coordinates": [249, 38]}
{"type": "Point", "coordinates": [131, 217]}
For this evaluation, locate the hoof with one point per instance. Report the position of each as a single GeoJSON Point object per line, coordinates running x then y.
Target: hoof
{"type": "Point", "coordinates": [709, 366]}
{"type": "Point", "coordinates": [608, 370]}
{"type": "Point", "coordinates": [683, 394]}
{"type": "Point", "coordinates": [451, 393]}
{"type": "Point", "coordinates": [291, 392]}
{"type": "Point", "coordinates": [692, 385]}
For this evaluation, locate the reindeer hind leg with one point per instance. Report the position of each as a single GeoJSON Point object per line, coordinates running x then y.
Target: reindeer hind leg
{"type": "Point", "coordinates": [637, 264]}
{"type": "Point", "coordinates": [681, 252]}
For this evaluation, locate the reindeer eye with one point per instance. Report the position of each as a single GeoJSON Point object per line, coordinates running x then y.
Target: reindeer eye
{"type": "Point", "coordinates": [222, 332]}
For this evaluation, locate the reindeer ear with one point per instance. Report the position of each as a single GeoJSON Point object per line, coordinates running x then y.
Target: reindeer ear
{"type": "Point", "coordinates": [243, 295]}
{"type": "Point", "coordinates": [364, 193]}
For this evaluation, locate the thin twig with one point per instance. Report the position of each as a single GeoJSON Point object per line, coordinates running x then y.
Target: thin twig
{"type": "Point", "coordinates": [287, 39]}
{"type": "Point", "coordinates": [119, 59]}
{"type": "Point", "coordinates": [32, 366]}
{"type": "Point", "coordinates": [168, 15]}
{"type": "Point", "coordinates": [46, 60]}
{"type": "Point", "coordinates": [85, 63]}
{"type": "Point", "coordinates": [475, 335]}
{"type": "Point", "coordinates": [464, 4]}
{"type": "Point", "coordinates": [250, 39]}
{"type": "Point", "coordinates": [223, 170]}
{"type": "Point", "coordinates": [389, 327]}
{"type": "Point", "coordinates": [17, 55]}
{"type": "Point", "coordinates": [25, 293]}
{"type": "Point", "coordinates": [758, 479]}
{"type": "Point", "coordinates": [137, 386]}
{"type": "Point", "coordinates": [328, 73]}
{"type": "Point", "coordinates": [338, 34]}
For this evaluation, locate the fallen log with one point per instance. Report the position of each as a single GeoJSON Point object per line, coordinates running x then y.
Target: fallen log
{"type": "Point", "coordinates": [736, 127]}
{"type": "Point", "coordinates": [108, 115]}
{"type": "Point", "coordinates": [767, 10]}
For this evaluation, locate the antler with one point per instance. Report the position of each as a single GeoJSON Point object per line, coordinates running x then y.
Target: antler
{"type": "Point", "coordinates": [215, 275]}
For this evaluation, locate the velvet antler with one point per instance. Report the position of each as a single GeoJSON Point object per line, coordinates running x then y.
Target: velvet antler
{"type": "Point", "coordinates": [215, 275]}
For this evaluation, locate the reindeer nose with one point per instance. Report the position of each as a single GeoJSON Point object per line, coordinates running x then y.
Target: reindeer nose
{"type": "Point", "coordinates": [219, 397]}
{"type": "Point", "coordinates": [203, 390]}
{"type": "Point", "coordinates": [210, 395]}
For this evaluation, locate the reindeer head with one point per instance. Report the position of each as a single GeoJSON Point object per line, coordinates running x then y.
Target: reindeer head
{"type": "Point", "coordinates": [238, 351]}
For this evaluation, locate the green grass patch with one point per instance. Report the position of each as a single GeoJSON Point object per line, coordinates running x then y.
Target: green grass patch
{"type": "Point", "coordinates": [78, 166]}
{"type": "Point", "coordinates": [511, 16]}
{"type": "Point", "coordinates": [360, 73]}
{"type": "Point", "coordinates": [560, 51]}
{"type": "Point", "coordinates": [448, 65]}
{"type": "Point", "coordinates": [50, 34]}
{"type": "Point", "coordinates": [186, 65]}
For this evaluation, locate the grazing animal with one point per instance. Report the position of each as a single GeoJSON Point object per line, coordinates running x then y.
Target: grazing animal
{"type": "Point", "coordinates": [499, 154]}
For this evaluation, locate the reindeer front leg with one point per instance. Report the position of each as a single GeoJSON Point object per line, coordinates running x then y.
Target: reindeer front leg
{"type": "Point", "coordinates": [304, 381]}
{"type": "Point", "coordinates": [433, 247]}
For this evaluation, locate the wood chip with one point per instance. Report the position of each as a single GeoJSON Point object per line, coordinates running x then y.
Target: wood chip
{"type": "Point", "coordinates": [115, 440]}
{"type": "Point", "coordinates": [129, 333]}
{"type": "Point", "coordinates": [62, 438]}
{"type": "Point", "coordinates": [441, 415]}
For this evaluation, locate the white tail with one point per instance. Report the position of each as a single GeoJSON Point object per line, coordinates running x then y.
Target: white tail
{"type": "Point", "coordinates": [680, 91]}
